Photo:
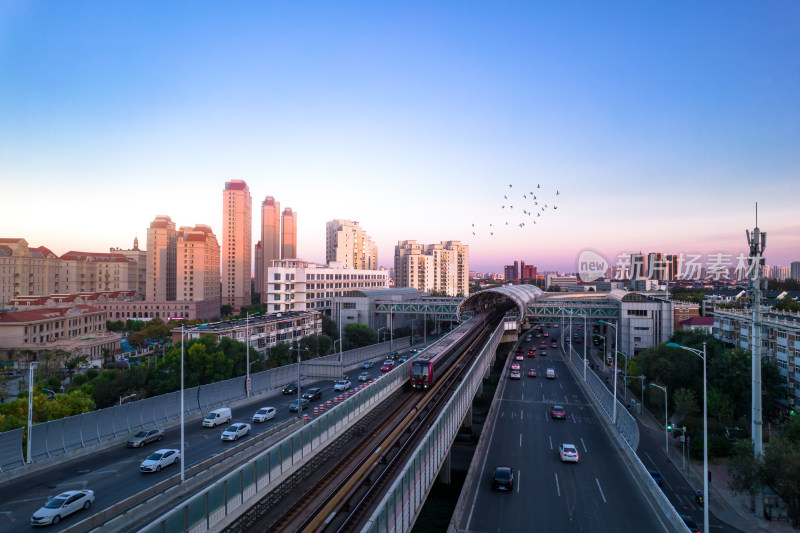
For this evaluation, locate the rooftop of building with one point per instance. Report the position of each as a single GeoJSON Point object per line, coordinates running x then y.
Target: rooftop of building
{"type": "Point", "coordinates": [381, 292]}
{"type": "Point", "coordinates": [46, 313]}
{"type": "Point", "coordinates": [698, 321]}
{"type": "Point", "coordinates": [252, 321]}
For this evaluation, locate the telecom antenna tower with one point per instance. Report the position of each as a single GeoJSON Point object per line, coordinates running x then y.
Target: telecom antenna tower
{"type": "Point", "coordinates": [757, 242]}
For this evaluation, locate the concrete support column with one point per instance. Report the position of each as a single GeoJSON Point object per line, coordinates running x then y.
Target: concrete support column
{"type": "Point", "coordinates": [444, 472]}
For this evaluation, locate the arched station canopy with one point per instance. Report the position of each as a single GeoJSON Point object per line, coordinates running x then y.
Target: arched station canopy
{"type": "Point", "coordinates": [519, 295]}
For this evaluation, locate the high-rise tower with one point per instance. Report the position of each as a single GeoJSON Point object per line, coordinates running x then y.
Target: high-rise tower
{"type": "Point", "coordinates": [288, 234]}
{"type": "Point", "coordinates": [237, 230]}
{"type": "Point", "coordinates": [270, 239]}
{"type": "Point", "coordinates": [162, 238]}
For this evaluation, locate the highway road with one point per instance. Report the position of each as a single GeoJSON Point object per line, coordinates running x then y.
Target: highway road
{"type": "Point", "coordinates": [597, 494]}
{"type": "Point", "coordinates": [114, 473]}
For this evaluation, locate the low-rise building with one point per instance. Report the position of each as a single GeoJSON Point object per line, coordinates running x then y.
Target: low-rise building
{"type": "Point", "coordinates": [698, 323]}
{"type": "Point", "coordinates": [264, 331]}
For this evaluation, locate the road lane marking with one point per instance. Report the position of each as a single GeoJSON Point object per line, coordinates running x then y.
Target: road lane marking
{"type": "Point", "coordinates": [601, 490]}
{"type": "Point", "coordinates": [521, 414]}
{"type": "Point", "coordinates": [558, 489]}
{"type": "Point", "coordinates": [483, 469]}
{"type": "Point", "coordinates": [520, 440]}
{"type": "Point", "coordinates": [551, 441]}
{"type": "Point", "coordinates": [519, 478]}
{"type": "Point", "coordinates": [584, 446]}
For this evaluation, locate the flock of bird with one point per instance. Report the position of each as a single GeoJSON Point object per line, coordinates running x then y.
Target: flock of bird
{"type": "Point", "coordinates": [527, 205]}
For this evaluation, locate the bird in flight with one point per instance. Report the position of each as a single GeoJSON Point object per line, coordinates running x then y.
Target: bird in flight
{"type": "Point", "coordinates": [506, 197]}
{"type": "Point", "coordinates": [538, 186]}
{"type": "Point", "coordinates": [538, 215]}
{"type": "Point", "coordinates": [509, 185]}
{"type": "Point", "coordinates": [535, 203]}
{"type": "Point", "coordinates": [506, 223]}
{"type": "Point", "coordinates": [555, 207]}
{"type": "Point", "coordinates": [556, 193]}
{"type": "Point", "coordinates": [524, 195]}
{"type": "Point", "coordinates": [491, 233]}
{"type": "Point", "coordinates": [473, 225]}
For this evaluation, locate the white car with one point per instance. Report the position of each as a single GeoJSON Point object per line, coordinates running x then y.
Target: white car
{"type": "Point", "coordinates": [364, 376]}
{"type": "Point", "coordinates": [235, 431]}
{"type": "Point", "coordinates": [568, 453]}
{"type": "Point", "coordinates": [264, 414]}
{"type": "Point", "coordinates": [160, 459]}
{"type": "Point", "coordinates": [341, 385]}
{"type": "Point", "coordinates": [61, 506]}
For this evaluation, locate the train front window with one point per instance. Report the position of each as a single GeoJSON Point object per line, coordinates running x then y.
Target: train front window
{"type": "Point", "coordinates": [419, 371]}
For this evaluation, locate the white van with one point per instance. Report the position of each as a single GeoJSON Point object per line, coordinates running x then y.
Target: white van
{"type": "Point", "coordinates": [217, 417]}
{"type": "Point", "coordinates": [551, 374]}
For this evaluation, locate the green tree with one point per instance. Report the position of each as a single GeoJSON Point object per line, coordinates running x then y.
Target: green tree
{"type": "Point", "coordinates": [787, 304]}
{"type": "Point", "coordinates": [685, 402]}
{"type": "Point", "coordinates": [279, 355]}
{"type": "Point", "coordinates": [330, 327]}
{"type": "Point", "coordinates": [226, 310]}
{"type": "Point", "coordinates": [358, 335]}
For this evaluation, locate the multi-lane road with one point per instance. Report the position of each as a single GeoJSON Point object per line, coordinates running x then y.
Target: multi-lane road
{"type": "Point", "coordinates": [595, 494]}
{"type": "Point", "coordinates": [114, 473]}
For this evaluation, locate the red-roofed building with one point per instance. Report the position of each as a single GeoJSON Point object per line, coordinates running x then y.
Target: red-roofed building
{"type": "Point", "coordinates": [75, 329]}
{"type": "Point", "coordinates": [698, 323]}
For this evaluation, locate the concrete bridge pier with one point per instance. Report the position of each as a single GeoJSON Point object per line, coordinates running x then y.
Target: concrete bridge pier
{"type": "Point", "coordinates": [444, 472]}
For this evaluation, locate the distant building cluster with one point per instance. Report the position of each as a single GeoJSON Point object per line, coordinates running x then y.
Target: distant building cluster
{"type": "Point", "coordinates": [520, 273]}
{"type": "Point", "coordinates": [440, 268]}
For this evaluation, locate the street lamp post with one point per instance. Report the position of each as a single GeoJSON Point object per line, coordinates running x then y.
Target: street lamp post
{"type": "Point", "coordinates": [614, 376]}
{"type": "Point", "coordinates": [666, 418]}
{"type": "Point", "coordinates": [705, 426]}
{"type": "Point", "coordinates": [51, 392]}
{"type": "Point", "coordinates": [299, 406]}
{"type": "Point", "coordinates": [30, 406]}
{"type": "Point", "coordinates": [123, 398]}
{"type": "Point", "coordinates": [182, 411]}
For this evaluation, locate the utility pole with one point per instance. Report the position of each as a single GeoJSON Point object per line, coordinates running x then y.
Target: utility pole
{"type": "Point", "coordinates": [757, 242]}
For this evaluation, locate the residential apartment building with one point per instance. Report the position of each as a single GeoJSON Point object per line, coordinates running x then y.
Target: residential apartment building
{"type": "Point", "coordinates": [780, 341]}
{"type": "Point", "coordinates": [26, 271]}
{"type": "Point", "coordinates": [684, 311]}
{"type": "Point", "coordinates": [565, 283]}
{"type": "Point", "coordinates": [347, 243]}
{"type": "Point", "coordinates": [299, 285]}
{"type": "Point", "coordinates": [270, 238]}
{"type": "Point", "coordinates": [794, 270]}
{"type": "Point", "coordinates": [76, 329]}
{"type": "Point", "coordinates": [263, 332]}
{"type": "Point", "coordinates": [198, 276]}
{"type": "Point", "coordinates": [511, 272]}
{"type": "Point", "coordinates": [139, 277]}
{"type": "Point", "coordinates": [162, 240]}
{"type": "Point", "coordinates": [237, 246]}
{"type": "Point", "coordinates": [442, 268]}
{"type": "Point", "coordinates": [527, 273]}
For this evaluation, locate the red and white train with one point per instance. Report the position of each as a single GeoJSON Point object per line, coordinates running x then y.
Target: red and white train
{"type": "Point", "coordinates": [427, 367]}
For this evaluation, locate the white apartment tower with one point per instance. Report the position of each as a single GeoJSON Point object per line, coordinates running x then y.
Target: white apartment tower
{"type": "Point", "coordinates": [162, 238]}
{"type": "Point", "coordinates": [198, 265]}
{"type": "Point", "coordinates": [346, 242]}
{"type": "Point", "coordinates": [237, 231]}
{"type": "Point", "coordinates": [442, 268]}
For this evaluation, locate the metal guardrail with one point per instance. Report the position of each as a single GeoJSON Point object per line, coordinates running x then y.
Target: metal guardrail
{"type": "Point", "coordinates": [398, 510]}
{"type": "Point", "coordinates": [59, 437]}
{"type": "Point", "coordinates": [228, 496]}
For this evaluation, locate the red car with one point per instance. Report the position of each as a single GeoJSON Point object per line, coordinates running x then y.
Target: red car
{"type": "Point", "coordinates": [387, 365]}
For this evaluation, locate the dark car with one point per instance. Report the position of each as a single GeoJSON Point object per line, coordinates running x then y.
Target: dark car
{"type": "Point", "coordinates": [656, 475]}
{"type": "Point", "coordinates": [313, 394]}
{"type": "Point", "coordinates": [403, 358]}
{"type": "Point", "coordinates": [290, 389]}
{"type": "Point", "coordinates": [303, 404]}
{"type": "Point", "coordinates": [503, 478]}
{"type": "Point", "coordinates": [690, 523]}
{"type": "Point", "coordinates": [558, 412]}
{"type": "Point", "coordinates": [392, 355]}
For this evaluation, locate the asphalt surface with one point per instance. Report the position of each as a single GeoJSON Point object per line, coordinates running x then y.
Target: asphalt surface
{"type": "Point", "coordinates": [113, 474]}
{"type": "Point", "coordinates": [597, 494]}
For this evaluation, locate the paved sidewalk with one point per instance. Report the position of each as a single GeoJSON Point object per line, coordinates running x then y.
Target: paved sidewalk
{"type": "Point", "coordinates": [735, 510]}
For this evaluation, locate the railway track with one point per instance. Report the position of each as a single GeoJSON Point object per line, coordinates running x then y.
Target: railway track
{"type": "Point", "coordinates": [337, 489]}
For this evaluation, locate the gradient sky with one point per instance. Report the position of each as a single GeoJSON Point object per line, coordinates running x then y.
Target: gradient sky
{"type": "Point", "coordinates": [659, 123]}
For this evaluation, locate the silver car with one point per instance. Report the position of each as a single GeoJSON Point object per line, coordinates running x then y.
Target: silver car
{"type": "Point", "coordinates": [146, 436]}
{"type": "Point", "coordinates": [235, 431]}
{"type": "Point", "coordinates": [61, 506]}
{"type": "Point", "coordinates": [160, 459]}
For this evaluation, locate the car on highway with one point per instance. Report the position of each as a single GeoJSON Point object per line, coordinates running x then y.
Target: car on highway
{"type": "Point", "coordinates": [550, 373]}
{"type": "Point", "coordinates": [514, 374]}
{"type": "Point", "coordinates": [690, 523]}
{"type": "Point", "coordinates": [414, 350]}
{"type": "Point", "coordinates": [364, 376]}
{"type": "Point", "coordinates": [531, 354]}
{"type": "Point", "coordinates": [342, 385]}
{"type": "Point", "coordinates": [392, 355]}
{"type": "Point", "coordinates": [656, 475]}
{"type": "Point", "coordinates": [387, 365]}
{"type": "Point", "coordinates": [313, 394]}
{"type": "Point", "coordinates": [558, 412]}
{"type": "Point", "coordinates": [532, 373]}
{"type": "Point", "coordinates": [403, 358]}
{"type": "Point", "coordinates": [503, 478]}
{"type": "Point", "coordinates": [303, 405]}
{"type": "Point", "coordinates": [519, 349]}
{"type": "Point", "coordinates": [519, 357]}
{"type": "Point", "coordinates": [235, 431]}
{"type": "Point", "coordinates": [579, 341]}
{"type": "Point", "coordinates": [160, 459]}
{"type": "Point", "coordinates": [515, 366]}
{"type": "Point", "coordinates": [291, 388]}
{"type": "Point", "coordinates": [367, 364]}
{"type": "Point", "coordinates": [542, 345]}
{"type": "Point", "coordinates": [543, 353]}
{"type": "Point", "coordinates": [546, 334]}
{"type": "Point", "coordinates": [62, 506]}
{"type": "Point", "coordinates": [264, 414]}
{"type": "Point", "coordinates": [146, 436]}
{"type": "Point", "coordinates": [554, 345]}
{"type": "Point", "coordinates": [568, 453]}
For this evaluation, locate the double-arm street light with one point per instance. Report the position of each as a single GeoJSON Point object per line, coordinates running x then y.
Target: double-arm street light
{"type": "Point", "coordinates": [30, 406]}
{"type": "Point", "coordinates": [702, 355]}
{"type": "Point", "coordinates": [299, 406]}
{"type": "Point", "coordinates": [247, 341]}
{"type": "Point", "coordinates": [616, 337]}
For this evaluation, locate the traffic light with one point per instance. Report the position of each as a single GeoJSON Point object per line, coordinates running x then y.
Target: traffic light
{"type": "Point", "coordinates": [669, 427]}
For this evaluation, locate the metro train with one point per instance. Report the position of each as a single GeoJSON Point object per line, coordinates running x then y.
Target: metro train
{"type": "Point", "coordinates": [432, 363]}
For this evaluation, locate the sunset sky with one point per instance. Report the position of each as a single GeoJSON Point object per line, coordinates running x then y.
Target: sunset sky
{"type": "Point", "coordinates": [660, 124]}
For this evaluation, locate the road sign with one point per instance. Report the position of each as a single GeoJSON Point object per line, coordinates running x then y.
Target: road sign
{"type": "Point", "coordinates": [248, 385]}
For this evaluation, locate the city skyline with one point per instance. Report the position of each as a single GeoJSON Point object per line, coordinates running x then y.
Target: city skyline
{"type": "Point", "coordinates": [659, 126]}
